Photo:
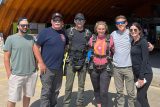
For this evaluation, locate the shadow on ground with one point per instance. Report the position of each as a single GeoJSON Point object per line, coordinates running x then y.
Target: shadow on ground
{"type": "Point", "coordinates": [88, 101]}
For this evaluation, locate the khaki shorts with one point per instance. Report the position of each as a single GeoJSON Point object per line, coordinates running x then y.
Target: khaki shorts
{"type": "Point", "coordinates": [19, 83]}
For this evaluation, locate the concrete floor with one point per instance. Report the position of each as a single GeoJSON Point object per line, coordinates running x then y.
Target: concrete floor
{"type": "Point", "coordinates": [153, 92]}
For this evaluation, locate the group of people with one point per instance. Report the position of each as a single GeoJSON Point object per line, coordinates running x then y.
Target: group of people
{"type": "Point", "coordinates": [130, 51]}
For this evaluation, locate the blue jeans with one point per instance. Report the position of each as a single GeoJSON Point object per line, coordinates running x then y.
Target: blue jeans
{"type": "Point", "coordinates": [51, 84]}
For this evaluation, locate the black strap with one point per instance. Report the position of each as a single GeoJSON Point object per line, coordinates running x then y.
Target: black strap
{"type": "Point", "coordinates": [100, 56]}
{"type": "Point", "coordinates": [71, 36]}
{"type": "Point", "coordinates": [108, 45]}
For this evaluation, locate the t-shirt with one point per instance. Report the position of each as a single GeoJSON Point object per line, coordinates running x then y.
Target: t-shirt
{"type": "Point", "coordinates": [122, 47]}
{"type": "Point", "coordinates": [79, 39]}
{"type": "Point", "coordinates": [100, 47]}
{"type": "Point", "coordinates": [22, 57]}
{"type": "Point", "coordinates": [78, 42]}
{"type": "Point", "coordinates": [52, 44]}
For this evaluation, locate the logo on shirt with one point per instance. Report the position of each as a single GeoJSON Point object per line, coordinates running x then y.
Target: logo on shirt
{"type": "Point", "coordinates": [63, 37]}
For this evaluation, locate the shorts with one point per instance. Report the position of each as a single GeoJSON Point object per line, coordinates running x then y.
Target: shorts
{"type": "Point", "coordinates": [19, 83]}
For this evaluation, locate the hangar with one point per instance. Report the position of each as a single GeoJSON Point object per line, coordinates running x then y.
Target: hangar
{"type": "Point", "coordinates": [146, 12]}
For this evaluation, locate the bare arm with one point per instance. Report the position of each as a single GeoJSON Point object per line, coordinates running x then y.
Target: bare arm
{"type": "Point", "coordinates": [39, 58]}
{"type": "Point", "coordinates": [7, 56]}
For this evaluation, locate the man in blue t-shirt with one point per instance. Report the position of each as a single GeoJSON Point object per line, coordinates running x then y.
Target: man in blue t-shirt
{"type": "Point", "coordinates": [52, 41]}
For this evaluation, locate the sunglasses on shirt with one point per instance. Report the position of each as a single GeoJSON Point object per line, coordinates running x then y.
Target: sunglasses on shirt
{"type": "Point", "coordinates": [121, 22]}
{"type": "Point", "coordinates": [133, 30]}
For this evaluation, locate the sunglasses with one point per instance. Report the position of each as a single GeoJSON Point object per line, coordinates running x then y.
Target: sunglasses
{"type": "Point", "coordinates": [121, 22]}
{"type": "Point", "coordinates": [57, 20]}
{"type": "Point", "coordinates": [79, 21]}
{"type": "Point", "coordinates": [24, 25]}
{"type": "Point", "coordinates": [133, 30]}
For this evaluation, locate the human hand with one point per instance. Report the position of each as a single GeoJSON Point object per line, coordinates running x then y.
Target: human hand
{"type": "Point", "coordinates": [141, 82]}
{"type": "Point", "coordinates": [42, 68]}
{"type": "Point", "coordinates": [150, 46]}
{"type": "Point", "coordinates": [8, 74]}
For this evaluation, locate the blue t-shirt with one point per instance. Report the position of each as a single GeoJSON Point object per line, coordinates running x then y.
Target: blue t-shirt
{"type": "Point", "coordinates": [52, 44]}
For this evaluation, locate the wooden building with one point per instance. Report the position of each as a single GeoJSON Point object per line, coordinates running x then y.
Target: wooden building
{"type": "Point", "coordinates": [40, 11]}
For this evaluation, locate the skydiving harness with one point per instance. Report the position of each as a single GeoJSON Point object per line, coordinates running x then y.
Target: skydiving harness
{"type": "Point", "coordinates": [77, 57]}
{"type": "Point", "coordinates": [108, 65]}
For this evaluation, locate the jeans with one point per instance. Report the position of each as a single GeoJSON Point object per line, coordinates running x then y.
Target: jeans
{"type": "Point", "coordinates": [70, 75]}
{"type": "Point", "coordinates": [142, 92]}
{"type": "Point", "coordinates": [122, 74]}
{"type": "Point", "coordinates": [51, 84]}
{"type": "Point", "coordinates": [100, 80]}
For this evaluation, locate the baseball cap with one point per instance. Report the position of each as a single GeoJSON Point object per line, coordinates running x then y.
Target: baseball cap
{"type": "Point", "coordinates": [55, 15]}
{"type": "Point", "coordinates": [79, 16]}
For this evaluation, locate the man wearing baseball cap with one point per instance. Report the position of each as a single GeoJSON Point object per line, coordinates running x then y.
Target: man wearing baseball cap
{"type": "Point", "coordinates": [79, 16]}
{"type": "Point", "coordinates": [52, 41]}
{"type": "Point", "coordinates": [78, 38]}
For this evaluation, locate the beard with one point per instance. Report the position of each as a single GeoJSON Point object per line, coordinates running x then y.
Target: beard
{"type": "Point", "coordinates": [23, 31]}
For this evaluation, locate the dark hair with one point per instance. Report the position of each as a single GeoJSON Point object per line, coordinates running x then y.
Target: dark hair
{"type": "Point", "coordinates": [21, 19]}
{"type": "Point", "coordinates": [139, 27]}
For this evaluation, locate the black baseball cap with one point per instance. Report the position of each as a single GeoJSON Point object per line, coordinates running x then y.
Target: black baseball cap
{"type": "Point", "coordinates": [57, 15]}
{"type": "Point", "coordinates": [79, 16]}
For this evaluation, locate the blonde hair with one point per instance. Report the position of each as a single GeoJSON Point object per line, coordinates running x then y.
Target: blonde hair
{"type": "Point", "coordinates": [101, 23]}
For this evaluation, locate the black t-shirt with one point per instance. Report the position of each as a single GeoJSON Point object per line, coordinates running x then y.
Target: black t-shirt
{"type": "Point", "coordinates": [78, 42]}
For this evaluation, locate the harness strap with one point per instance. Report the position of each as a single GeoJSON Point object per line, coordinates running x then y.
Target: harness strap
{"type": "Point", "coordinates": [71, 36]}
{"type": "Point", "coordinates": [100, 66]}
{"type": "Point", "coordinates": [100, 56]}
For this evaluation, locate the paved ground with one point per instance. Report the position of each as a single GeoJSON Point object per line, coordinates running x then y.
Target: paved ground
{"type": "Point", "coordinates": [153, 93]}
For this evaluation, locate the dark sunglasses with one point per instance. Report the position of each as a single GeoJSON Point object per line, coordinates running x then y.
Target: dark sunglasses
{"type": "Point", "coordinates": [79, 21]}
{"type": "Point", "coordinates": [135, 30]}
{"type": "Point", "coordinates": [121, 22]}
{"type": "Point", "coordinates": [24, 25]}
{"type": "Point", "coordinates": [57, 20]}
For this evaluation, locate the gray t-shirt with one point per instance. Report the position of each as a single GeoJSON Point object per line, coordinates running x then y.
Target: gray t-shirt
{"type": "Point", "coordinates": [122, 45]}
{"type": "Point", "coordinates": [22, 57]}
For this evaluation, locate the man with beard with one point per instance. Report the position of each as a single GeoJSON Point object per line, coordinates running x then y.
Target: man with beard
{"type": "Point", "coordinates": [19, 61]}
